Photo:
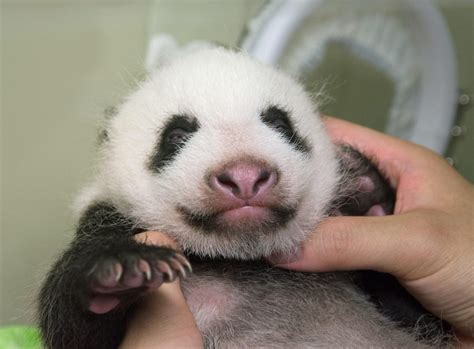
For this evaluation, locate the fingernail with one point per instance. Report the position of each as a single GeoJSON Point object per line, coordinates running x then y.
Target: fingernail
{"type": "Point", "coordinates": [285, 258]}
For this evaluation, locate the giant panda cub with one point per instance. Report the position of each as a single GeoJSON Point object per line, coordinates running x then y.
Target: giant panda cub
{"type": "Point", "coordinates": [230, 158]}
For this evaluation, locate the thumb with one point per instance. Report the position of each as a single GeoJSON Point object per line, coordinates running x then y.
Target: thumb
{"type": "Point", "coordinates": [400, 245]}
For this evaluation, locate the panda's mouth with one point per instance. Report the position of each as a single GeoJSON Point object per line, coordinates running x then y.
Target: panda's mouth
{"type": "Point", "coordinates": [246, 212]}
{"type": "Point", "coordinates": [242, 218]}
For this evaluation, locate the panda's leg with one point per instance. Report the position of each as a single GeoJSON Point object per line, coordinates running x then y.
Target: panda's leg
{"type": "Point", "coordinates": [87, 294]}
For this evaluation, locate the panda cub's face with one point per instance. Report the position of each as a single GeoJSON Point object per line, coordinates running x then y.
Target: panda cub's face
{"type": "Point", "coordinates": [223, 153]}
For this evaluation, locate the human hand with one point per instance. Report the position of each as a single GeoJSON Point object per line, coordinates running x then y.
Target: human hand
{"type": "Point", "coordinates": [162, 318]}
{"type": "Point", "coordinates": [428, 244]}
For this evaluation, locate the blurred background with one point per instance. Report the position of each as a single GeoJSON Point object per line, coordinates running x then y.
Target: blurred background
{"type": "Point", "coordinates": [65, 62]}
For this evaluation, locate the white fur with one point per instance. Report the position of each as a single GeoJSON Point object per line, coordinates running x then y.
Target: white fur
{"type": "Point", "coordinates": [226, 91]}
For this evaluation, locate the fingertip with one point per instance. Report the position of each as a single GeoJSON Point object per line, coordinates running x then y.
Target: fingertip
{"type": "Point", "coordinates": [285, 259]}
{"type": "Point", "coordinates": [310, 256]}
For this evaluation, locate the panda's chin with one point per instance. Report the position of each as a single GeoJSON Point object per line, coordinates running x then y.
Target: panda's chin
{"type": "Point", "coordinates": [241, 220]}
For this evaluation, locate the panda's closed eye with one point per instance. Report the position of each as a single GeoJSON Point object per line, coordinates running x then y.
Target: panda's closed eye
{"type": "Point", "coordinates": [280, 125]}
{"type": "Point", "coordinates": [278, 120]}
{"type": "Point", "coordinates": [177, 136]}
{"type": "Point", "coordinates": [176, 132]}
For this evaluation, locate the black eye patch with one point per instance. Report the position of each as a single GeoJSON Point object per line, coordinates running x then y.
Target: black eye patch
{"type": "Point", "coordinates": [176, 132]}
{"type": "Point", "coordinates": [278, 120]}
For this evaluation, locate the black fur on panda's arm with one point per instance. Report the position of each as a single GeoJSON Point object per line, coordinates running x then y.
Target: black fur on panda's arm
{"type": "Point", "coordinates": [104, 239]}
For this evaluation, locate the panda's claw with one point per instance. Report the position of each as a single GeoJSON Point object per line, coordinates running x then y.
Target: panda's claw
{"type": "Point", "coordinates": [184, 262]}
{"type": "Point", "coordinates": [128, 274]}
{"type": "Point", "coordinates": [165, 268]}
{"type": "Point", "coordinates": [144, 267]}
{"type": "Point", "coordinates": [118, 272]}
{"type": "Point", "coordinates": [178, 267]}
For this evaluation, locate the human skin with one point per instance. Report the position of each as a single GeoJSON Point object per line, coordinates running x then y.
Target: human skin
{"type": "Point", "coordinates": [428, 244]}
{"type": "Point", "coordinates": [162, 318]}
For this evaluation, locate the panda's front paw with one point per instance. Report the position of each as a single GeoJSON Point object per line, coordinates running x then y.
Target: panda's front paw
{"type": "Point", "coordinates": [123, 277]}
{"type": "Point", "coordinates": [363, 190]}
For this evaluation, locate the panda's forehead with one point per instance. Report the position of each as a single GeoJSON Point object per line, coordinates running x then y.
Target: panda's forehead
{"type": "Point", "coordinates": [220, 91]}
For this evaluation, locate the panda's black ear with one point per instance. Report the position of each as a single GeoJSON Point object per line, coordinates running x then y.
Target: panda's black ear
{"type": "Point", "coordinates": [109, 113]}
{"type": "Point", "coordinates": [103, 136]}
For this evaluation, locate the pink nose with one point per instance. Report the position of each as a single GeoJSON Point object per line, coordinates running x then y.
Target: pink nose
{"type": "Point", "coordinates": [244, 181]}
